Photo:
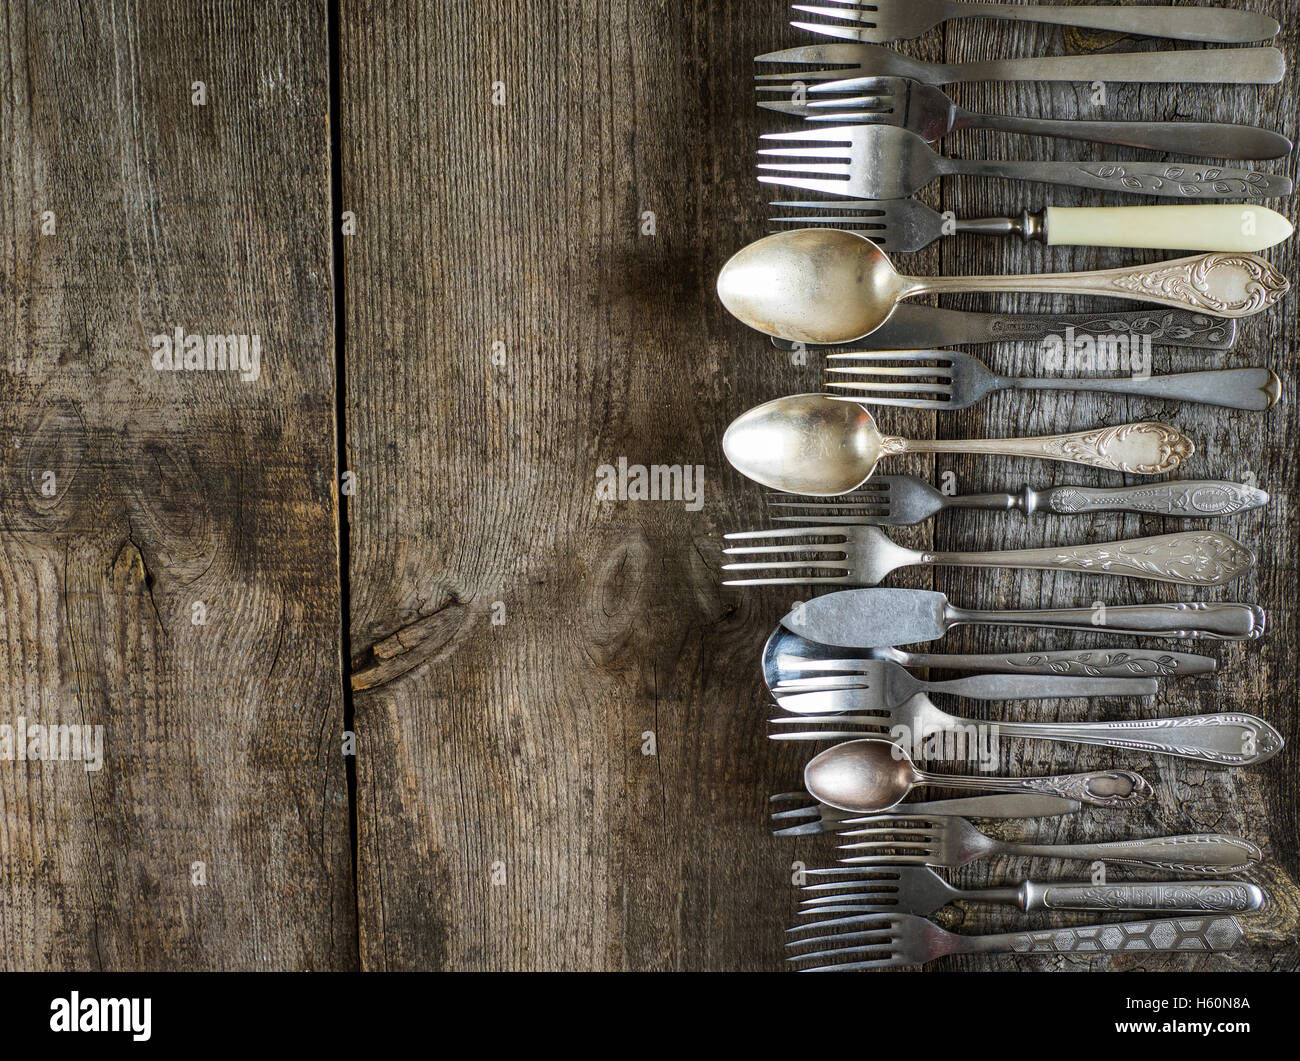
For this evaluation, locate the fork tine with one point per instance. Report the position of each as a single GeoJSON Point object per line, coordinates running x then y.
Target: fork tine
{"type": "Point", "coordinates": [887, 860]}
{"type": "Point", "coordinates": [902, 403]}
{"type": "Point", "coordinates": [807, 184]}
{"type": "Point", "coordinates": [836, 580]}
{"type": "Point", "coordinates": [807, 167]}
{"type": "Point", "coordinates": [842, 135]}
{"type": "Point", "coordinates": [852, 521]}
{"type": "Point", "coordinates": [871, 925]}
{"type": "Point", "coordinates": [840, 720]}
{"type": "Point", "coordinates": [834, 12]}
{"type": "Point", "coordinates": [786, 532]}
{"type": "Point", "coordinates": [894, 355]}
{"type": "Point", "coordinates": [847, 33]}
{"type": "Point", "coordinates": [908, 847]}
{"type": "Point", "coordinates": [813, 552]}
{"type": "Point", "coordinates": [790, 565]}
{"type": "Point", "coordinates": [868, 207]}
{"type": "Point", "coordinates": [835, 735]}
{"type": "Point", "coordinates": [880, 101]}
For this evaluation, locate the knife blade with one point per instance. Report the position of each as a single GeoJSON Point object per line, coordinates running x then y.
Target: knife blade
{"type": "Point", "coordinates": [1014, 805]}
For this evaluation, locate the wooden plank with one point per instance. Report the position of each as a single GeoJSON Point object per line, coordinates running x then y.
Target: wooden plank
{"type": "Point", "coordinates": [1255, 803]}
{"type": "Point", "coordinates": [169, 489]}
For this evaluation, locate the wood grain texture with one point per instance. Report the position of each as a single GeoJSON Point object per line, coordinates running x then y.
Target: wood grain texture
{"type": "Point", "coordinates": [221, 740]}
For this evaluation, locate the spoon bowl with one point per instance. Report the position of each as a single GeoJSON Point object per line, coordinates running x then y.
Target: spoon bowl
{"type": "Point", "coordinates": [862, 776]}
{"type": "Point", "coordinates": [811, 285]}
{"type": "Point", "coordinates": [805, 444]}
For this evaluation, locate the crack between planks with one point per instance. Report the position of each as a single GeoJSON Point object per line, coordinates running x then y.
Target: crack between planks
{"type": "Point", "coordinates": [341, 447]}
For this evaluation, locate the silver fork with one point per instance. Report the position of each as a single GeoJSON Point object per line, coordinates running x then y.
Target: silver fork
{"type": "Point", "coordinates": [950, 843]}
{"type": "Point", "coordinates": [928, 112]}
{"type": "Point", "coordinates": [886, 162]}
{"type": "Point", "coordinates": [881, 21]}
{"type": "Point", "coordinates": [903, 225]}
{"type": "Point", "coordinates": [880, 941]}
{"type": "Point", "coordinates": [902, 500]}
{"type": "Point", "coordinates": [818, 818]}
{"type": "Point", "coordinates": [947, 379]}
{"type": "Point", "coordinates": [865, 555]}
{"type": "Point", "coordinates": [920, 890]}
{"type": "Point", "coordinates": [1224, 739]}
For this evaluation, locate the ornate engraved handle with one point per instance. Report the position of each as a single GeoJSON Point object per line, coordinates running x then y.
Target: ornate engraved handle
{"type": "Point", "coordinates": [1182, 497]}
{"type": "Point", "coordinates": [1190, 558]}
{"type": "Point", "coordinates": [1191, 619]}
{"type": "Point", "coordinates": [1200, 853]}
{"type": "Point", "coordinates": [1223, 284]}
{"type": "Point", "coordinates": [1147, 448]}
{"type": "Point", "coordinates": [1219, 896]}
{"type": "Point", "coordinates": [1101, 788]}
{"type": "Point", "coordinates": [1168, 326]}
{"type": "Point", "coordinates": [1223, 739]}
{"type": "Point", "coordinates": [1192, 934]}
{"type": "Point", "coordinates": [1105, 662]}
{"type": "Point", "coordinates": [1173, 179]}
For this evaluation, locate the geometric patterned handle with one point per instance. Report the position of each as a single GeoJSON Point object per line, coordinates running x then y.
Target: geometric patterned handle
{"type": "Point", "coordinates": [1197, 934]}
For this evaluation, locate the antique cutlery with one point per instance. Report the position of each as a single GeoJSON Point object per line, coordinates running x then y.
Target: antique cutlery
{"type": "Point", "coordinates": [824, 819]}
{"type": "Point", "coordinates": [950, 843]}
{"type": "Point", "coordinates": [869, 776]}
{"type": "Point", "coordinates": [916, 327]}
{"type": "Point", "coordinates": [946, 379]}
{"type": "Point", "coordinates": [879, 941]}
{"type": "Point", "coordinates": [855, 62]}
{"type": "Point", "coordinates": [881, 21]}
{"type": "Point", "coordinates": [902, 500]}
{"type": "Point", "coordinates": [814, 444]}
{"type": "Point", "coordinates": [886, 162]}
{"type": "Point", "coordinates": [907, 225]}
{"type": "Point", "coordinates": [928, 112]}
{"type": "Point", "coordinates": [880, 685]}
{"type": "Point", "coordinates": [920, 890]}
{"type": "Point", "coordinates": [827, 285]}
{"type": "Point", "coordinates": [789, 659]}
{"type": "Point", "coordinates": [866, 555]}
{"type": "Point", "coordinates": [871, 618]}
{"type": "Point", "coordinates": [1225, 739]}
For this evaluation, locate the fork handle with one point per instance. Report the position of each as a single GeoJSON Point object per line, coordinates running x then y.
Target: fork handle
{"type": "Point", "coordinates": [1199, 853]}
{"type": "Point", "coordinates": [1208, 24]}
{"type": "Point", "coordinates": [1253, 389]}
{"type": "Point", "coordinates": [1226, 739]}
{"type": "Point", "coordinates": [1083, 662]}
{"type": "Point", "coordinates": [1222, 66]}
{"type": "Point", "coordinates": [1183, 619]}
{"type": "Point", "coordinates": [1144, 937]}
{"type": "Point", "coordinates": [1192, 897]}
{"type": "Point", "coordinates": [1209, 139]}
{"type": "Point", "coordinates": [1179, 497]}
{"type": "Point", "coordinates": [1189, 558]}
{"type": "Point", "coordinates": [1176, 180]}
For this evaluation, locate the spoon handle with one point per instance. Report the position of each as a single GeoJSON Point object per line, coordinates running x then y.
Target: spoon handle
{"type": "Point", "coordinates": [1102, 788]}
{"type": "Point", "coordinates": [1189, 558]}
{"type": "Point", "coordinates": [1147, 448]}
{"type": "Point", "coordinates": [1221, 284]}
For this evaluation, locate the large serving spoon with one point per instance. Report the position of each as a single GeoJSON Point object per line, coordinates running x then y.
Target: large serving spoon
{"type": "Point", "coordinates": [871, 776]}
{"type": "Point", "coordinates": [817, 445]}
{"type": "Point", "coordinates": [828, 285]}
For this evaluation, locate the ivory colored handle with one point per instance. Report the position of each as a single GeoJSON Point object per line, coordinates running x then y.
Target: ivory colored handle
{"type": "Point", "coordinates": [1204, 227]}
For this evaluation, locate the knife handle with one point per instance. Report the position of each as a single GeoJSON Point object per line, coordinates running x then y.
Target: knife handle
{"type": "Point", "coordinates": [1218, 896]}
{"type": "Point", "coordinates": [1210, 25]}
{"type": "Point", "coordinates": [1230, 622]}
{"type": "Point", "coordinates": [1179, 497]}
{"type": "Point", "coordinates": [1222, 66]}
{"type": "Point", "coordinates": [1205, 227]}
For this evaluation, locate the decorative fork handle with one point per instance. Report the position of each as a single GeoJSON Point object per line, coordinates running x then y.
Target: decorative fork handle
{"type": "Point", "coordinates": [1181, 497]}
{"type": "Point", "coordinates": [1189, 934]}
{"type": "Point", "coordinates": [1219, 896]}
{"type": "Point", "coordinates": [1143, 449]}
{"type": "Point", "coordinates": [1222, 66]}
{"type": "Point", "coordinates": [1215, 139]}
{"type": "Point", "coordinates": [1209, 24]}
{"type": "Point", "coordinates": [1174, 179]}
{"type": "Point", "coordinates": [1189, 558]}
{"type": "Point", "coordinates": [1223, 739]}
{"type": "Point", "coordinates": [1101, 788]}
{"type": "Point", "coordinates": [1220, 284]}
{"type": "Point", "coordinates": [1184, 619]}
{"type": "Point", "coordinates": [1200, 853]}
{"type": "Point", "coordinates": [1253, 389]}
{"type": "Point", "coordinates": [1103, 662]}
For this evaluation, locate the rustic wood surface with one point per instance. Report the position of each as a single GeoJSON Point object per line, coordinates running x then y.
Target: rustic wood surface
{"type": "Point", "coordinates": [560, 719]}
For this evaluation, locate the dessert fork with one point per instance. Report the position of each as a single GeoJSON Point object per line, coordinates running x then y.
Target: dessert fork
{"type": "Point", "coordinates": [886, 162]}
{"type": "Point", "coordinates": [920, 890]}
{"type": "Point", "coordinates": [879, 941]}
{"type": "Point", "coordinates": [950, 843]}
{"type": "Point", "coordinates": [881, 21]}
{"type": "Point", "coordinates": [928, 112]}
{"type": "Point", "coordinates": [946, 379]}
{"type": "Point", "coordinates": [902, 500]}
{"type": "Point", "coordinates": [865, 555]}
{"type": "Point", "coordinates": [854, 62]}
{"type": "Point", "coordinates": [820, 818]}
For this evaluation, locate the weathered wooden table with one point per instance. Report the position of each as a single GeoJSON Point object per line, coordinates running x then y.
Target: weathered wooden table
{"type": "Point", "coordinates": [557, 713]}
